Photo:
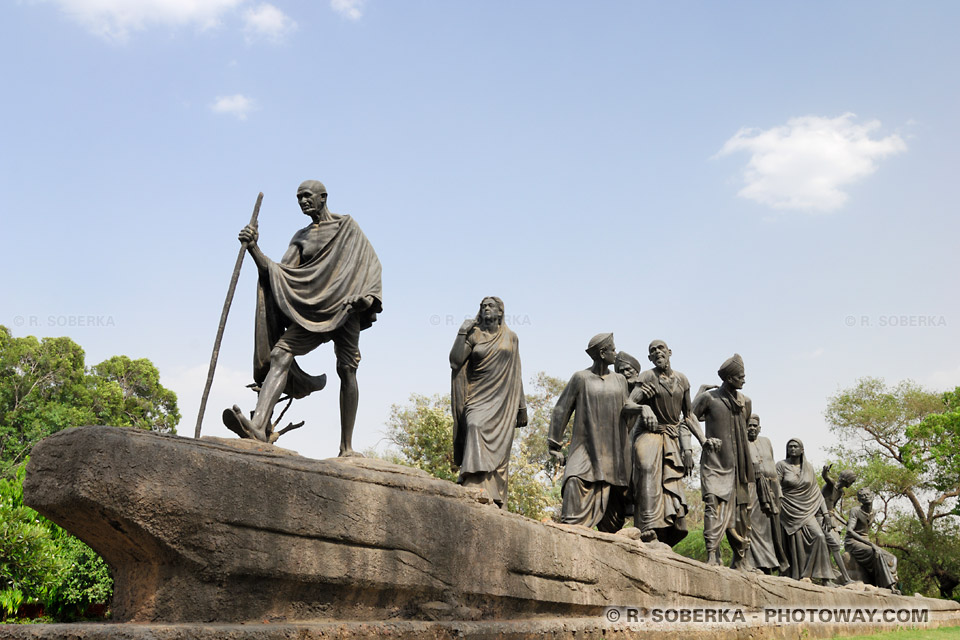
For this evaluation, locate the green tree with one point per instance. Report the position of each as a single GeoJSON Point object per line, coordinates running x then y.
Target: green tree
{"type": "Point", "coordinates": [422, 436]}
{"type": "Point", "coordinates": [422, 432]}
{"type": "Point", "coordinates": [932, 452]}
{"type": "Point", "coordinates": [128, 393]}
{"type": "Point", "coordinates": [694, 546]}
{"type": "Point", "coordinates": [902, 442]}
{"type": "Point", "coordinates": [928, 557]}
{"type": "Point", "coordinates": [42, 563]}
{"type": "Point", "coordinates": [540, 405]}
{"type": "Point", "coordinates": [45, 387]}
{"type": "Point", "coordinates": [29, 562]}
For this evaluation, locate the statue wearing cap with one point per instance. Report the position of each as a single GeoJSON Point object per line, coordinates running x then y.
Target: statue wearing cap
{"type": "Point", "coordinates": [629, 367]}
{"type": "Point", "coordinates": [726, 470]}
{"type": "Point", "coordinates": [597, 472]}
{"type": "Point", "coordinates": [326, 288]}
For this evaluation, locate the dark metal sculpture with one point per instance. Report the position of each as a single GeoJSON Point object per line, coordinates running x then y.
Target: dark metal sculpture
{"type": "Point", "coordinates": [726, 471]}
{"type": "Point", "coordinates": [231, 289]}
{"type": "Point", "coordinates": [487, 399]}
{"type": "Point", "coordinates": [766, 542]}
{"type": "Point", "coordinates": [326, 288]}
{"type": "Point", "coordinates": [597, 472]}
{"type": "Point", "coordinates": [879, 564]}
{"type": "Point", "coordinates": [662, 453]}
{"type": "Point", "coordinates": [803, 516]}
{"type": "Point", "coordinates": [832, 494]}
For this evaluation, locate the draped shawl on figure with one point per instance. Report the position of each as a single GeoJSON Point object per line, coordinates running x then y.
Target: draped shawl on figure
{"type": "Point", "coordinates": [766, 543]}
{"type": "Point", "coordinates": [486, 394]}
{"type": "Point", "coordinates": [312, 293]}
{"type": "Point", "coordinates": [599, 450]}
{"type": "Point", "coordinates": [803, 537]}
{"type": "Point", "coordinates": [726, 473]}
{"type": "Point", "coordinates": [658, 462]}
{"type": "Point", "coordinates": [801, 497]}
{"type": "Point", "coordinates": [881, 564]}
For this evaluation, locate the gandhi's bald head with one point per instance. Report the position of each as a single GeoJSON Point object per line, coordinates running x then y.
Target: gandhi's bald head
{"type": "Point", "coordinates": [314, 186]}
{"type": "Point", "coordinates": [312, 196]}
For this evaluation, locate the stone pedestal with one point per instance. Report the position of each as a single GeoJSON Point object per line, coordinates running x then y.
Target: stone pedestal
{"type": "Point", "coordinates": [216, 531]}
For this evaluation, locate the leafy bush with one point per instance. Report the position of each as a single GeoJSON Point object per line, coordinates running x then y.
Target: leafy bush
{"type": "Point", "coordinates": [43, 565]}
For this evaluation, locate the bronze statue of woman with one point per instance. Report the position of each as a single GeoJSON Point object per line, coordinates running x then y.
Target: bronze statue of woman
{"type": "Point", "coordinates": [487, 399]}
{"type": "Point", "coordinates": [802, 513]}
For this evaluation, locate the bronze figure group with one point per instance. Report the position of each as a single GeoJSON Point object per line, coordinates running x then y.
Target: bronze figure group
{"type": "Point", "coordinates": [630, 445]}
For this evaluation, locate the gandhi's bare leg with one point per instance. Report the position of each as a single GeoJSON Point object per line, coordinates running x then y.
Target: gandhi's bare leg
{"type": "Point", "coordinates": [270, 391]}
{"type": "Point", "coordinates": [349, 399]}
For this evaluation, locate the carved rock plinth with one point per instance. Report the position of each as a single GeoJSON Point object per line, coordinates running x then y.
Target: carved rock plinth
{"type": "Point", "coordinates": [205, 531]}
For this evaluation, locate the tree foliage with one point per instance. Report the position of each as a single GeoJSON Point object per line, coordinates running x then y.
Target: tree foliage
{"type": "Point", "coordinates": [932, 451]}
{"type": "Point", "coordinates": [694, 546]}
{"type": "Point", "coordinates": [43, 564]}
{"type": "Point", "coordinates": [929, 557]}
{"type": "Point", "coordinates": [421, 433]}
{"type": "Point", "coordinates": [894, 439]}
{"type": "Point", "coordinates": [128, 393]}
{"type": "Point", "coordinates": [46, 387]}
{"type": "Point", "coordinates": [29, 562]}
{"type": "Point", "coordinates": [902, 442]}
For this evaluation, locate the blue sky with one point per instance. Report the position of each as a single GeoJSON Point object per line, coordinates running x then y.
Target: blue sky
{"type": "Point", "coordinates": [773, 179]}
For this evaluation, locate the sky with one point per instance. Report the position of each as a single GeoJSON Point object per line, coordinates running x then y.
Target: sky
{"type": "Point", "coordinates": [772, 179]}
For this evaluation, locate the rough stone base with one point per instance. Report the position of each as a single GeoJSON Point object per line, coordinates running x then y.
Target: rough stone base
{"type": "Point", "coordinates": [217, 531]}
{"type": "Point", "coordinates": [553, 628]}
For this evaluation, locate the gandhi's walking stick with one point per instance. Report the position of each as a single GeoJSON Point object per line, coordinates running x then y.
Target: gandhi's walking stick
{"type": "Point", "coordinates": [223, 319]}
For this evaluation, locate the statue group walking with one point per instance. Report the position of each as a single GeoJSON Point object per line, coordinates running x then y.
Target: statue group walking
{"type": "Point", "coordinates": [630, 445]}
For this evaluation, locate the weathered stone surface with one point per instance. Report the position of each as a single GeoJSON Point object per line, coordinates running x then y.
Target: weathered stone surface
{"type": "Point", "coordinates": [200, 531]}
{"type": "Point", "coordinates": [530, 629]}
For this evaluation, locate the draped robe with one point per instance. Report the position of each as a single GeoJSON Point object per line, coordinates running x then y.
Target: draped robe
{"type": "Point", "coordinates": [598, 469]}
{"type": "Point", "coordinates": [766, 548]}
{"type": "Point", "coordinates": [336, 262]}
{"type": "Point", "coordinates": [659, 502]}
{"type": "Point", "coordinates": [803, 536]}
{"type": "Point", "coordinates": [486, 395]}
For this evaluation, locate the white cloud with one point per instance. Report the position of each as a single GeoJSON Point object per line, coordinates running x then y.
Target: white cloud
{"type": "Point", "coordinates": [267, 22]}
{"type": "Point", "coordinates": [806, 163]}
{"type": "Point", "coordinates": [350, 9]}
{"type": "Point", "coordinates": [115, 19]}
{"type": "Point", "coordinates": [237, 105]}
